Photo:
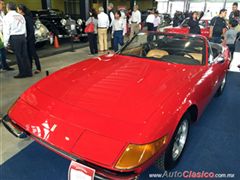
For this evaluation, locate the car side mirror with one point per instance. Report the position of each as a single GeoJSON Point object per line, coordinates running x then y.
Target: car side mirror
{"type": "Point", "coordinates": [220, 59]}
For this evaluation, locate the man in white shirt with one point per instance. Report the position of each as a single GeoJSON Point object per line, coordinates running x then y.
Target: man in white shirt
{"type": "Point", "coordinates": [111, 19]}
{"type": "Point", "coordinates": [150, 20]}
{"type": "Point", "coordinates": [3, 59]}
{"type": "Point", "coordinates": [135, 21]}
{"type": "Point", "coordinates": [157, 21]}
{"type": "Point", "coordinates": [14, 32]}
{"type": "Point", "coordinates": [103, 25]}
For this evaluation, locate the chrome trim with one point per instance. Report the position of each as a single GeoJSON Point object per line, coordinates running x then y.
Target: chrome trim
{"type": "Point", "coordinates": [13, 128]}
{"type": "Point", "coordinates": [53, 148]}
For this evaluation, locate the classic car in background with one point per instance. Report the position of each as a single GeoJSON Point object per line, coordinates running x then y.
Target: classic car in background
{"type": "Point", "coordinates": [60, 24]}
{"type": "Point", "coordinates": [42, 34]}
{"type": "Point", "coordinates": [166, 18]}
{"type": "Point", "coordinates": [184, 28]}
{"type": "Point", "coordinates": [154, 88]}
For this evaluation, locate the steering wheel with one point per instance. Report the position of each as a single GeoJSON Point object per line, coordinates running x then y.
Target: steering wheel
{"type": "Point", "coordinates": [189, 55]}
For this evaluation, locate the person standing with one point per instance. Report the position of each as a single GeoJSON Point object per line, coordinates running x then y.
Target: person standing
{"type": "Point", "coordinates": [111, 19]}
{"type": "Point", "coordinates": [103, 25]}
{"type": "Point", "coordinates": [237, 18]}
{"type": "Point", "coordinates": [3, 59]}
{"type": "Point", "coordinates": [32, 53]}
{"type": "Point", "coordinates": [178, 18]}
{"type": "Point", "coordinates": [150, 21]}
{"type": "Point", "coordinates": [231, 36]}
{"type": "Point", "coordinates": [218, 27]}
{"type": "Point", "coordinates": [118, 27]}
{"type": "Point", "coordinates": [234, 10]}
{"type": "Point", "coordinates": [14, 32]}
{"type": "Point", "coordinates": [193, 23]}
{"type": "Point", "coordinates": [124, 18]}
{"type": "Point", "coordinates": [92, 37]}
{"type": "Point", "coordinates": [234, 66]}
{"type": "Point", "coordinates": [135, 21]}
{"type": "Point", "coordinates": [157, 21]}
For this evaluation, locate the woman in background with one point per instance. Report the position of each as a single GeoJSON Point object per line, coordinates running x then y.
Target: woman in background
{"type": "Point", "coordinates": [92, 37]}
{"type": "Point", "coordinates": [194, 23]}
{"type": "Point", "coordinates": [118, 27]}
{"type": "Point", "coordinates": [32, 53]}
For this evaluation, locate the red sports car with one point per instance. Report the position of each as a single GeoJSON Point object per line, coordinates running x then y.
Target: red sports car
{"type": "Point", "coordinates": [184, 28]}
{"type": "Point", "coordinates": [117, 114]}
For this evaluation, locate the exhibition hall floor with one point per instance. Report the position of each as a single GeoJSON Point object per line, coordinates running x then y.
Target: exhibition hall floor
{"type": "Point", "coordinates": [213, 144]}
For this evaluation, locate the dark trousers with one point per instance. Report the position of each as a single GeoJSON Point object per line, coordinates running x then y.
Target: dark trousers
{"type": "Point", "coordinates": [155, 28]}
{"type": "Point", "coordinates": [3, 59]}
{"type": "Point", "coordinates": [216, 40]}
{"type": "Point", "coordinates": [32, 54]}
{"type": "Point", "coordinates": [150, 26]}
{"type": "Point", "coordinates": [117, 39]}
{"type": "Point", "coordinates": [19, 45]}
{"type": "Point", "coordinates": [110, 37]}
{"type": "Point", "coordinates": [92, 38]}
{"type": "Point", "coordinates": [231, 48]}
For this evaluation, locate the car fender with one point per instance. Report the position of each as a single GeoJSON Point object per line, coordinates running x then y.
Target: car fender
{"type": "Point", "coordinates": [184, 103]}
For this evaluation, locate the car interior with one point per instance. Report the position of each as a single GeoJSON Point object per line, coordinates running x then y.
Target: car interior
{"type": "Point", "coordinates": [174, 50]}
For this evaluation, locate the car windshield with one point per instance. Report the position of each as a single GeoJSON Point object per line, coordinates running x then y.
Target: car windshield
{"type": "Point", "coordinates": [171, 48]}
{"type": "Point", "coordinates": [202, 23]}
{"type": "Point", "coordinates": [185, 22]}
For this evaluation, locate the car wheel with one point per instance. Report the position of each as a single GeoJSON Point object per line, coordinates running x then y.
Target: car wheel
{"type": "Point", "coordinates": [84, 39]}
{"type": "Point", "coordinates": [221, 88]}
{"type": "Point", "coordinates": [176, 147]}
{"type": "Point", "coordinates": [40, 44]}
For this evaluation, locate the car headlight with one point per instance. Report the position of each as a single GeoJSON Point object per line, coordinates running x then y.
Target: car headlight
{"type": "Point", "coordinates": [63, 22]}
{"type": "Point", "coordinates": [79, 21]}
{"type": "Point", "coordinates": [135, 155]}
{"type": "Point", "coordinates": [38, 25]}
{"type": "Point", "coordinates": [161, 29]}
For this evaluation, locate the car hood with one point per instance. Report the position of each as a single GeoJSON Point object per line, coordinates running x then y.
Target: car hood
{"type": "Point", "coordinates": [99, 103]}
{"type": "Point", "coordinates": [115, 91]}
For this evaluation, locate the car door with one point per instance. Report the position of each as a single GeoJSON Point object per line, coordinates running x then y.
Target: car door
{"type": "Point", "coordinates": [205, 31]}
{"type": "Point", "coordinates": [217, 64]}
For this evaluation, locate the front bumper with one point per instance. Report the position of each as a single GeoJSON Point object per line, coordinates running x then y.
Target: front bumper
{"type": "Point", "coordinates": [42, 39]}
{"type": "Point", "coordinates": [13, 128]}
{"type": "Point", "coordinates": [101, 173]}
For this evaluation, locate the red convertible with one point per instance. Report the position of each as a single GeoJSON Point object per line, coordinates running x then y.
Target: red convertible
{"type": "Point", "coordinates": [184, 28]}
{"type": "Point", "coordinates": [117, 114]}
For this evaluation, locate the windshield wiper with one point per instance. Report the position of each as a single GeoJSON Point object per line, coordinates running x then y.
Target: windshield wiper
{"type": "Point", "coordinates": [159, 59]}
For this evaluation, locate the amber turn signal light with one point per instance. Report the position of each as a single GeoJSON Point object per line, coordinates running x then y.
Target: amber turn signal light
{"type": "Point", "coordinates": [135, 155]}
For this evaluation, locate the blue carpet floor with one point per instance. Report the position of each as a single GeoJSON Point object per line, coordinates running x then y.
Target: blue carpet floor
{"type": "Point", "coordinates": [214, 145]}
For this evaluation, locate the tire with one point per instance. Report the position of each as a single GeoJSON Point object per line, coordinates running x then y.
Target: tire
{"type": "Point", "coordinates": [40, 44]}
{"type": "Point", "coordinates": [222, 87]}
{"type": "Point", "coordinates": [170, 158]}
{"type": "Point", "coordinates": [84, 39]}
